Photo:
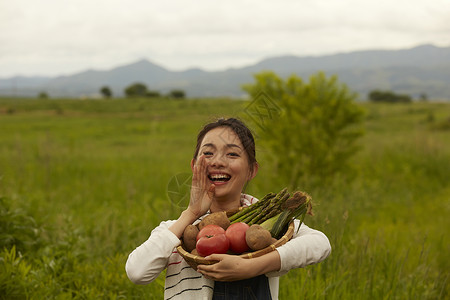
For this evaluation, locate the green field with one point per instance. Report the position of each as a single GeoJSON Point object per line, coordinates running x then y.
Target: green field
{"type": "Point", "coordinates": [83, 182]}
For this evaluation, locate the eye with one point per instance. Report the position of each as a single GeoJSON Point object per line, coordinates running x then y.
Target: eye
{"type": "Point", "coordinates": [207, 153]}
{"type": "Point", "coordinates": [233, 154]}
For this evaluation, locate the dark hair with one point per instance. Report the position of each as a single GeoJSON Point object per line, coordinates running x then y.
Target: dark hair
{"type": "Point", "coordinates": [241, 130]}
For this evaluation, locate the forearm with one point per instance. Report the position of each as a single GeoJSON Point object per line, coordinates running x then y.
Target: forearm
{"type": "Point", "coordinates": [147, 261]}
{"type": "Point", "coordinates": [186, 218]}
{"type": "Point", "coordinates": [233, 267]}
{"type": "Point", "coordinates": [270, 262]}
{"type": "Point", "coordinates": [307, 247]}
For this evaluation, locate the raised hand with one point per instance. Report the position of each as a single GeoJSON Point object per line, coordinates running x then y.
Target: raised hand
{"type": "Point", "coordinates": [202, 190]}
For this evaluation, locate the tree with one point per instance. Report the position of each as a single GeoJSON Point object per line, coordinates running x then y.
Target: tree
{"type": "Point", "coordinates": [388, 96]}
{"type": "Point", "coordinates": [136, 90]}
{"type": "Point", "coordinates": [177, 94]}
{"type": "Point", "coordinates": [310, 130]}
{"type": "Point", "coordinates": [423, 97]}
{"type": "Point", "coordinates": [43, 95]}
{"type": "Point", "coordinates": [106, 92]}
{"type": "Point", "coordinates": [153, 94]}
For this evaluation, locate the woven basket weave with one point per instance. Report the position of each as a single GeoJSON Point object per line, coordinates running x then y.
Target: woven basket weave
{"type": "Point", "coordinates": [195, 260]}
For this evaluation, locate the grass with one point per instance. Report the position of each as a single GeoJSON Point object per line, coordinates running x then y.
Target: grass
{"type": "Point", "coordinates": [83, 182]}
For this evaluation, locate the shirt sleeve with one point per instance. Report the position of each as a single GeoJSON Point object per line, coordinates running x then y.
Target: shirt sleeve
{"type": "Point", "coordinates": [307, 247]}
{"type": "Point", "coordinates": [148, 260]}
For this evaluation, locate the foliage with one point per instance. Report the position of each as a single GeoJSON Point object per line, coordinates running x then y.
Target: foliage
{"type": "Point", "coordinates": [153, 94]}
{"type": "Point", "coordinates": [136, 90]}
{"type": "Point", "coordinates": [316, 129]}
{"type": "Point", "coordinates": [423, 97]}
{"type": "Point", "coordinates": [43, 95]}
{"type": "Point", "coordinates": [106, 92]}
{"type": "Point", "coordinates": [18, 229]}
{"type": "Point", "coordinates": [388, 96]}
{"type": "Point", "coordinates": [177, 94]}
{"type": "Point", "coordinates": [141, 90]}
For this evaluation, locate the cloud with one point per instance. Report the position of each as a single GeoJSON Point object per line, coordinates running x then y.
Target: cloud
{"type": "Point", "coordinates": [61, 36]}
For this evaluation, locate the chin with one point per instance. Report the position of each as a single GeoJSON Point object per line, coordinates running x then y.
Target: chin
{"type": "Point", "coordinates": [222, 191]}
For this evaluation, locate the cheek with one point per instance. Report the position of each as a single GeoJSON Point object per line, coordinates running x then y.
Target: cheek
{"type": "Point", "coordinates": [240, 170]}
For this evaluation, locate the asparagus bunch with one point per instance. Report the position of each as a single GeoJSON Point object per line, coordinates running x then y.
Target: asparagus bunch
{"type": "Point", "coordinates": [275, 211]}
{"type": "Point", "coordinates": [296, 207]}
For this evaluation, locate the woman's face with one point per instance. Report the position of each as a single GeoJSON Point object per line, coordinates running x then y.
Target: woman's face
{"type": "Point", "coordinates": [227, 162]}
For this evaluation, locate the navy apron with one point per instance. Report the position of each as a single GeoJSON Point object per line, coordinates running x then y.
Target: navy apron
{"type": "Point", "coordinates": [256, 288]}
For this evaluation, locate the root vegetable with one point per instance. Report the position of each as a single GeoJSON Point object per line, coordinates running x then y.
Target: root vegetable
{"type": "Point", "coordinates": [190, 237]}
{"type": "Point", "coordinates": [217, 218]}
{"type": "Point", "coordinates": [257, 237]}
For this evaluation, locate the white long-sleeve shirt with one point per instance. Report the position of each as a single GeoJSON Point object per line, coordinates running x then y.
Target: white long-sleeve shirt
{"type": "Point", "coordinates": [146, 262]}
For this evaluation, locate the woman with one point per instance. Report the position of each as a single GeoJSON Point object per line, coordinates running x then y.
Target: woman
{"type": "Point", "coordinates": [224, 162]}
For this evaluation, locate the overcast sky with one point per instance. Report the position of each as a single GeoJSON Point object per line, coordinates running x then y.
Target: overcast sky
{"type": "Point", "coordinates": [61, 37]}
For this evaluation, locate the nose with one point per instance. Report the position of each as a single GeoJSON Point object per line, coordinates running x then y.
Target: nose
{"type": "Point", "coordinates": [217, 161]}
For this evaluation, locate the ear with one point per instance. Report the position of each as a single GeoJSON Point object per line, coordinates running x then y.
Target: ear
{"type": "Point", "coordinates": [254, 172]}
{"type": "Point", "coordinates": [192, 164]}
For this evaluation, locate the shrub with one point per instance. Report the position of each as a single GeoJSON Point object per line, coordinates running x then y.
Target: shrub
{"type": "Point", "coordinates": [308, 129]}
{"type": "Point", "coordinates": [18, 229]}
{"type": "Point", "coordinates": [153, 94]}
{"type": "Point", "coordinates": [136, 90]}
{"type": "Point", "coordinates": [177, 94]}
{"type": "Point", "coordinates": [387, 96]}
{"type": "Point", "coordinates": [43, 95]}
{"type": "Point", "coordinates": [106, 92]}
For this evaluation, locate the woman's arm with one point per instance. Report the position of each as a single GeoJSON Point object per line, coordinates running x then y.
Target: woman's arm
{"type": "Point", "coordinates": [308, 246]}
{"type": "Point", "coordinates": [148, 260]}
{"type": "Point", "coordinates": [233, 267]}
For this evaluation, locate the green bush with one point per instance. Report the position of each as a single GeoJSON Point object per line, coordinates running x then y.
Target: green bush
{"type": "Point", "coordinates": [18, 229]}
{"type": "Point", "coordinates": [136, 90]}
{"type": "Point", "coordinates": [387, 96]}
{"type": "Point", "coordinates": [308, 129]}
{"type": "Point", "coordinates": [106, 92]}
{"type": "Point", "coordinates": [177, 94]}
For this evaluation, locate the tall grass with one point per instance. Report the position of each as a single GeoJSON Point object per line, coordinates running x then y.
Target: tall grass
{"type": "Point", "coordinates": [83, 182]}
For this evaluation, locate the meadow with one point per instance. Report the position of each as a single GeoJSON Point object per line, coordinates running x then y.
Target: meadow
{"type": "Point", "coordinates": [83, 182]}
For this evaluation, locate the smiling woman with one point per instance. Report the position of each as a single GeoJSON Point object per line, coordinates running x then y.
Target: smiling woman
{"type": "Point", "coordinates": [224, 161]}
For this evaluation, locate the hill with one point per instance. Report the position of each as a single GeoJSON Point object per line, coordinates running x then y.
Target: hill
{"type": "Point", "coordinates": [421, 70]}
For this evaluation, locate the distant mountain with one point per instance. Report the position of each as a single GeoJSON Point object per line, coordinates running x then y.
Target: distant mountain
{"type": "Point", "coordinates": [420, 70]}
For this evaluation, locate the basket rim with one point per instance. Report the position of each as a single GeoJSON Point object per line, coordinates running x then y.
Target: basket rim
{"type": "Point", "coordinates": [197, 259]}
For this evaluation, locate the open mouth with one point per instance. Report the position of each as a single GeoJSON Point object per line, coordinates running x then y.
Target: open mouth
{"type": "Point", "coordinates": [219, 177]}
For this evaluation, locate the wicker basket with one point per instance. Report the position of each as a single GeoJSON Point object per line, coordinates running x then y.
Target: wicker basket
{"type": "Point", "coordinates": [195, 260]}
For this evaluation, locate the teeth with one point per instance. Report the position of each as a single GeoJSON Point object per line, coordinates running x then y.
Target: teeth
{"type": "Point", "coordinates": [219, 176]}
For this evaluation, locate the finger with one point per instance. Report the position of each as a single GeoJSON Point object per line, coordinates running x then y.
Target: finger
{"type": "Point", "coordinates": [206, 270]}
{"type": "Point", "coordinates": [203, 172]}
{"type": "Point", "coordinates": [196, 176]}
{"type": "Point", "coordinates": [207, 276]}
{"type": "Point", "coordinates": [211, 191]}
{"type": "Point", "coordinates": [215, 256]}
{"type": "Point", "coordinates": [200, 161]}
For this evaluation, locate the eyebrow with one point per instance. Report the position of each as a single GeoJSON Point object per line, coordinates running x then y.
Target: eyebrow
{"type": "Point", "coordinates": [228, 145]}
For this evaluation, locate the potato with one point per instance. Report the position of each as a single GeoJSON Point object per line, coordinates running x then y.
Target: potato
{"type": "Point", "coordinates": [194, 252]}
{"type": "Point", "coordinates": [190, 237]}
{"type": "Point", "coordinates": [217, 218]}
{"type": "Point", "coordinates": [257, 237]}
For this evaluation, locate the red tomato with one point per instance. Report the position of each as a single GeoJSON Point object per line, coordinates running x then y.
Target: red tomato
{"type": "Point", "coordinates": [210, 230]}
{"type": "Point", "coordinates": [217, 243]}
{"type": "Point", "coordinates": [236, 235]}
{"type": "Point", "coordinates": [212, 239]}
